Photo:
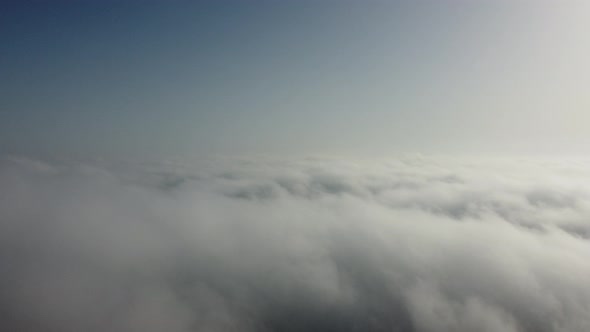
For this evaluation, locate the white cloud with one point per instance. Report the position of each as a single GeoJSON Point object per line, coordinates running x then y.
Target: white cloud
{"type": "Point", "coordinates": [413, 244]}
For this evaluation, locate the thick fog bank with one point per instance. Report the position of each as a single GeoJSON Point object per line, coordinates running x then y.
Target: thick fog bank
{"type": "Point", "coordinates": [411, 244]}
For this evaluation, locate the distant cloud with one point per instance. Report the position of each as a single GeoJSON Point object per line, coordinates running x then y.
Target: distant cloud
{"type": "Point", "coordinates": [413, 244]}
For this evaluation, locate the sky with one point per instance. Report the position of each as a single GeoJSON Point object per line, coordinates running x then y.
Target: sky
{"type": "Point", "coordinates": [174, 78]}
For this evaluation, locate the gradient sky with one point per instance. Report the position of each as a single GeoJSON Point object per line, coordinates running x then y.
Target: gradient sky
{"type": "Point", "coordinates": [171, 78]}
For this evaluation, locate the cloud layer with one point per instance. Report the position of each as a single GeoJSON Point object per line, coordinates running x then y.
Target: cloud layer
{"type": "Point", "coordinates": [411, 244]}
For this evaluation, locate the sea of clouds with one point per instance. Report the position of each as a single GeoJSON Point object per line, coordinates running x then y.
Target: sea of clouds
{"type": "Point", "coordinates": [415, 243]}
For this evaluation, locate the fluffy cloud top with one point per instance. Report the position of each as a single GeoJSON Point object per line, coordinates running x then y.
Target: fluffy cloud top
{"type": "Point", "coordinates": [412, 244]}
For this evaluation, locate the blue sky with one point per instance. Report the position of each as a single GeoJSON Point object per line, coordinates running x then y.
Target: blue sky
{"type": "Point", "coordinates": [173, 78]}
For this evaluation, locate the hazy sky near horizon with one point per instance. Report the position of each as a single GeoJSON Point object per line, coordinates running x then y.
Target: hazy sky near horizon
{"type": "Point", "coordinates": [169, 78]}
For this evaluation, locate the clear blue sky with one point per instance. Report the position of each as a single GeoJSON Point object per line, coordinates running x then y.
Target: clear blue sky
{"type": "Point", "coordinates": [170, 78]}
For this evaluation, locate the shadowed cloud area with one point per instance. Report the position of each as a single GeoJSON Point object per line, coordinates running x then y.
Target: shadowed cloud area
{"type": "Point", "coordinates": [410, 244]}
